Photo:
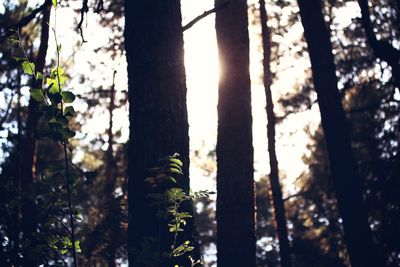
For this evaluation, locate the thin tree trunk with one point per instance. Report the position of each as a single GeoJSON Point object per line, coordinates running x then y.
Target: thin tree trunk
{"type": "Point", "coordinates": [358, 237]}
{"type": "Point", "coordinates": [381, 49]}
{"type": "Point", "coordinates": [28, 158]}
{"type": "Point", "coordinates": [235, 184]}
{"type": "Point", "coordinates": [112, 208]}
{"type": "Point", "coordinates": [281, 224]}
{"type": "Point", "coordinates": [158, 114]}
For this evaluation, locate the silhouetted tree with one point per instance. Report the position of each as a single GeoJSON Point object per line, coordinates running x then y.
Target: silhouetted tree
{"type": "Point", "coordinates": [158, 115]}
{"type": "Point", "coordinates": [358, 236]}
{"type": "Point", "coordinates": [235, 185]}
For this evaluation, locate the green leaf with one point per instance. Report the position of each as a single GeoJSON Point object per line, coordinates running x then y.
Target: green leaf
{"type": "Point", "coordinates": [68, 97]}
{"type": "Point", "coordinates": [55, 98]}
{"type": "Point", "coordinates": [28, 67]}
{"type": "Point", "coordinates": [173, 170]}
{"type": "Point", "coordinates": [18, 59]}
{"type": "Point", "coordinates": [13, 40]}
{"type": "Point", "coordinates": [39, 76]}
{"type": "Point", "coordinates": [64, 251]}
{"type": "Point", "coordinates": [77, 246]}
{"type": "Point", "coordinates": [54, 2]}
{"type": "Point", "coordinates": [62, 120]}
{"type": "Point", "coordinates": [176, 161]}
{"type": "Point", "coordinates": [37, 94]}
{"type": "Point", "coordinates": [69, 111]}
{"type": "Point", "coordinates": [67, 133]}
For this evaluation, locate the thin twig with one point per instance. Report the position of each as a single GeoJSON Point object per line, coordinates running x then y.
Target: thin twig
{"type": "Point", "coordinates": [205, 14]}
{"type": "Point", "coordinates": [84, 10]}
{"type": "Point", "coordinates": [99, 6]}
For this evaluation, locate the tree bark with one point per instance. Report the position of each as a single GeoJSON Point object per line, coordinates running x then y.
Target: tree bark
{"type": "Point", "coordinates": [28, 157]}
{"type": "Point", "coordinates": [381, 49]}
{"type": "Point", "coordinates": [358, 237]}
{"type": "Point", "coordinates": [279, 208]}
{"type": "Point", "coordinates": [158, 113]}
{"type": "Point", "coordinates": [235, 184]}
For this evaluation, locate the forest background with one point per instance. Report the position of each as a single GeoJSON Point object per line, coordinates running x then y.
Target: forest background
{"type": "Point", "coordinates": [91, 34]}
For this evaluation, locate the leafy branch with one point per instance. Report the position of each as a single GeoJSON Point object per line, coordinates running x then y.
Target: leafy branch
{"type": "Point", "coordinates": [52, 102]}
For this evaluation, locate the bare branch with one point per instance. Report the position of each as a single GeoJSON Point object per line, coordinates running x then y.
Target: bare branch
{"type": "Point", "coordinates": [24, 21]}
{"type": "Point", "coordinates": [84, 10]}
{"type": "Point", "coordinates": [205, 14]}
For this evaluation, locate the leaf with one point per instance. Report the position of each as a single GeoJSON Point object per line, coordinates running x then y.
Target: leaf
{"type": "Point", "coordinates": [39, 76]}
{"type": "Point", "coordinates": [37, 94]}
{"type": "Point", "coordinates": [69, 111]}
{"type": "Point", "coordinates": [64, 251]}
{"type": "Point", "coordinates": [18, 59]}
{"type": "Point", "coordinates": [173, 170]}
{"type": "Point", "coordinates": [54, 2]}
{"type": "Point", "coordinates": [68, 97]}
{"type": "Point", "coordinates": [176, 161]}
{"type": "Point", "coordinates": [13, 40]}
{"type": "Point", "coordinates": [55, 98]}
{"type": "Point", "coordinates": [67, 133]}
{"type": "Point", "coordinates": [77, 246]}
{"type": "Point", "coordinates": [28, 67]}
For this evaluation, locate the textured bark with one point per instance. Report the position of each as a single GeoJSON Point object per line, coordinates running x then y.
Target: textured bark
{"type": "Point", "coordinates": [381, 49]}
{"type": "Point", "coordinates": [235, 185]}
{"type": "Point", "coordinates": [347, 183]}
{"type": "Point", "coordinates": [279, 208]}
{"type": "Point", "coordinates": [158, 114]}
{"type": "Point", "coordinates": [28, 157]}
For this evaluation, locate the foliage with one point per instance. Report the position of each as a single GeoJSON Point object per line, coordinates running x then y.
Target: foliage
{"type": "Point", "coordinates": [168, 200]}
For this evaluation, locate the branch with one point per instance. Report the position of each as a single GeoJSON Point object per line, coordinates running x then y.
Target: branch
{"type": "Point", "coordinates": [84, 10]}
{"type": "Point", "coordinates": [24, 21]}
{"type": "Point", "coordinates": [381, 49]}
{"type": "Point", "coordinates": [205, 14]}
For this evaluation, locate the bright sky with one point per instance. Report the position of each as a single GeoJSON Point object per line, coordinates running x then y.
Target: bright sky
{"type": "Point", "coordinates": [201, 62]}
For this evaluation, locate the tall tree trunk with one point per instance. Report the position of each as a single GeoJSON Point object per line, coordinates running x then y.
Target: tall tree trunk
{"type": "Point", "coordinates": [158, 113]}
{"type": "Point", "coordinates": [284, 246]}
{"type": "Point", "coordinates": [235, 184]}
{"type": "Point", "coordinates": [381, 49]}
{"type": "Point", "coordinates": [28, 162]}
{"type": "Point", "coordinates": [347, 183]}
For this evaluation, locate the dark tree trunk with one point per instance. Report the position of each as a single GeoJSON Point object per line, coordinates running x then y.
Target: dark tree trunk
{"type": "Point", "coordinates": [281, 225]}
{"type": "Point", "coordinates": [28, 157]}
{"type": "Point", "coordinates": [112, 210]}
{"type": "Point", "coordinates": [381, 49]}
{"type": "Point", "coordinates": [158, 114]}
{"type": "Point", "coordinates": [347, 183]}
{"type": "Point", "coordinates": [235, 184]}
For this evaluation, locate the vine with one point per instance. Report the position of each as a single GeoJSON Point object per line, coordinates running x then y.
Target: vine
{"type": "Point", "coordinates": [53, 100]}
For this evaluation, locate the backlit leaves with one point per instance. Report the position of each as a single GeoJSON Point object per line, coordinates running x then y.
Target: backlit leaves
{"type": "Point", "coordinates": [28, 67]}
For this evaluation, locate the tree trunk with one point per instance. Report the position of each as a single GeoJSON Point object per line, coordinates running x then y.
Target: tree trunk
{"type": "Point", "coordinates": [281, 225]}
{"type": "Point", "coordinates": [28, 158]}
{"type": "Point", "coordinates": [347, 183]}
{"type": "Point", "coordinates": [381, 49]}
{"type": "Point", "coordinates": [235, 184]}
{"type": "Point", "coordinates": [112, 210]}
{"type": "Point", "coordinates": [158, 113]}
